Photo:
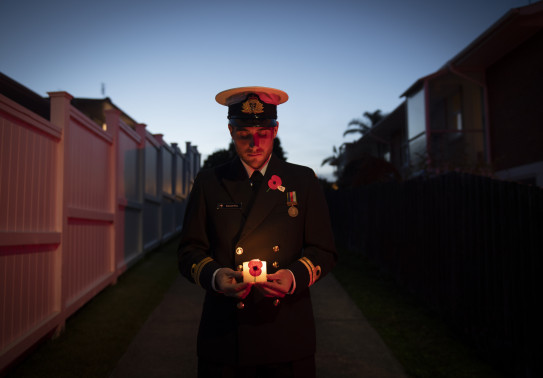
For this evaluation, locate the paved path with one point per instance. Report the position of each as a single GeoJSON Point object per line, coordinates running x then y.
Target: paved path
{"type": "Point", "coordinates": [347, 346]}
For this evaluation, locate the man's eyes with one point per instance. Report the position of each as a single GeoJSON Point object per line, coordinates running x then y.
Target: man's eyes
{"type": "Point", "coordinates": [261, 134]}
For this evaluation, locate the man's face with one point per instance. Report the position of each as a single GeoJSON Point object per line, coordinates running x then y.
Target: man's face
{"type": "Point", "coordinates": [253, 144]}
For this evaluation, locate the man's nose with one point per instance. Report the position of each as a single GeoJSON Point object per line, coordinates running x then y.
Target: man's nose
{"type": "Point", "coordinates": [255, 141]}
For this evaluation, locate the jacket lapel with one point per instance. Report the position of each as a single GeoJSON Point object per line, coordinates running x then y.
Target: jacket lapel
{"type": "Point", "coordinates": [236, 183]}
{"type": "Point", "coordinates": [265, 200]}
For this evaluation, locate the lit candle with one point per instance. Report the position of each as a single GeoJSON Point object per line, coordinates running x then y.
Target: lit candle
{"type": "Point", "coordinates": [254, 271]}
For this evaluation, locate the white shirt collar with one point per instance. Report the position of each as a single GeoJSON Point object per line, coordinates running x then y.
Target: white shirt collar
{"type": "Point", "coordinates": [251, 170]}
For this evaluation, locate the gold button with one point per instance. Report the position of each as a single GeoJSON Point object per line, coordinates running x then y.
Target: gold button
{"type": "Point", "coordinates": [239, 251]}
{"type": "Point", "coordinates": [275, 248]}
{"type": "Point", "coordinates": [275, 264]}
{"type": "Point", "coordinates": [240, 305]}
{"type": "Point", "coordinates": [240, 267]}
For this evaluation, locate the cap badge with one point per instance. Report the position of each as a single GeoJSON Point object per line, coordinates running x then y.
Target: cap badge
{"type": "Point", "coordinates": [252, 106]}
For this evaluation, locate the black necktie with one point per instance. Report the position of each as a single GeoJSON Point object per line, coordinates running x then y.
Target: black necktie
{"type": "Point", "coordinates": [256, 180]}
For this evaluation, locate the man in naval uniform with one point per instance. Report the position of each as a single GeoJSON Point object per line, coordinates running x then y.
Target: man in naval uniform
{"type": "Point", "coordinates": [256, 212]}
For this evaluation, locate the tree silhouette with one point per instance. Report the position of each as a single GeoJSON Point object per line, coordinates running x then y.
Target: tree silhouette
{"type": "Point", "coordinates": [278, 150]}
{"type": "Point", "coordinates": [217, 158]}
{"type": "Point", "coordinates": [335, 159]}
{"type": "Point", "coordinates": [363, 127]}
{"type": "Point", "coordinates": [224, 155]}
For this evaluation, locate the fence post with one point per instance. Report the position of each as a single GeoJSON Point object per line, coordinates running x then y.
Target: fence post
{"type": "Point", "coordinates": [60, 116]}
{"type": "Point", "coordinates": [160, 186]}
{"type": "Point", "coordinates": [141, 131]}
{"type": "Point", "coordinates": [113, 117]}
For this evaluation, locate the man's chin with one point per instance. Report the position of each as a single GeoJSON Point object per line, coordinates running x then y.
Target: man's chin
{"type": "Point", "coordinates": [254, 162]}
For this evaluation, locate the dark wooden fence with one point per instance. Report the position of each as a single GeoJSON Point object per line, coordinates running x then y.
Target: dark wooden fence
{"type": "Point", "coordinates": [470, 247]}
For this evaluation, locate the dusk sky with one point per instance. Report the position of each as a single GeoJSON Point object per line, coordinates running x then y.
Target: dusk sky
{"type": "Point", "coordinates": [163, 61]}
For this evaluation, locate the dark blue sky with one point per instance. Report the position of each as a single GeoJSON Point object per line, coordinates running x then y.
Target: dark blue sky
{"type": "Point", "coordinates": [163, 61]}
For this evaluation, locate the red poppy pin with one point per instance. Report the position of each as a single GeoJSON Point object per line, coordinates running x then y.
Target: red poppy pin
{"type": "Point", "coordinates": [276, 183]}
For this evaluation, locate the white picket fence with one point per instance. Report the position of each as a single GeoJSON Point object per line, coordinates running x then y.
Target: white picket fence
{"type": "Point", "coordinates": [79, 203]}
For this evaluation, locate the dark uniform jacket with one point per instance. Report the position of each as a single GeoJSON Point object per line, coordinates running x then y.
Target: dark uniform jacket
{"type": "Point", "coordinates": [223, 227]}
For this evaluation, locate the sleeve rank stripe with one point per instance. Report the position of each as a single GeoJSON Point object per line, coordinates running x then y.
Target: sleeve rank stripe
{"type": "Point", "coordinates": [310, 268]}
{"type": "Point", "coordinates": [314, 271]}
{"type": "Point", "coordinates": [198, 269]}
{"type": "Point", "coordinates": [313, 277]}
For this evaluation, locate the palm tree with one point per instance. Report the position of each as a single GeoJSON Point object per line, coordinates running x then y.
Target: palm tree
{"type": "Point", "coordinates": [335, 159]}
{"type": "Point", "coordinates": [364, 127]}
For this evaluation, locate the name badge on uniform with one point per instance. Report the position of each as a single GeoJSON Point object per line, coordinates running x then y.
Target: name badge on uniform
{"type": "Point", "coordinates": [292, 202]}
{"type": "Point", "coordinates": [229, 205]}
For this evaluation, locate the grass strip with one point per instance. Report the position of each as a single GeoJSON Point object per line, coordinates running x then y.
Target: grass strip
{"type": "Point", "coordinates": [424, 345]}
{"type": "Point", "coordinates": [97, 336]}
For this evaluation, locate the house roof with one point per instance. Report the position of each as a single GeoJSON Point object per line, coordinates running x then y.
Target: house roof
{"type": "Point", "coordinates": [23, 96]}
{"type": "Point", "coordinates": [94, 109]}
{"type": "Point", "coordinates": [417, 85]}
{"type": "Point", "coordinates": [511, 30]}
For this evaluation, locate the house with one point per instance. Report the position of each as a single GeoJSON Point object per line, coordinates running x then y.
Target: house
{"type": "Point", "coordinates": [378, 155]}
{"type": "Point", "coordinates": [480, 112]}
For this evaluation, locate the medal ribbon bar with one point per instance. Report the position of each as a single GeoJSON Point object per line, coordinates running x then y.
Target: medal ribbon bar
{"type": "Point", "coordinates": [291, 199]}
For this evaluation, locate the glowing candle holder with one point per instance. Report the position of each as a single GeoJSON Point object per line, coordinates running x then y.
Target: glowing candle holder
{"type": "Point", "coordinates": [254, 271]}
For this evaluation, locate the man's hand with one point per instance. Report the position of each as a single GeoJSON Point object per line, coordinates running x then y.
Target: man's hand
{"type": "Point", "coordinates": [281, 282]}
{"type": "Point", "coordinates": [225, 282]}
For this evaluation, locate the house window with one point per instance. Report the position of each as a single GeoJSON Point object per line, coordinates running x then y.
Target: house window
{"type": "Point", "coordinates": [386, 156]}
{"type": "Point", "coordinates": [446, 114]}
{"type": "Point", "coordinates": [459, 121]}
{"type": "Point", "coordinates": [416, 119]}
{"type": "Point", "coordinates": [416, 130]}
{"type": "Point", "coordinates": [405, 155]}
{"type": "Point", "coordinates": [454, 112]}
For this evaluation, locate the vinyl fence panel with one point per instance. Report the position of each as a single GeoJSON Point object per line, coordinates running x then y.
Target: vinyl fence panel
{"type": "Point", "coordinates": [79, 204]}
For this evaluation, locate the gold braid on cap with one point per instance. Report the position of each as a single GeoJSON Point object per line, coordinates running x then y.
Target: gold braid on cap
{"type": "Point", "coordinates": [197, 269]}
{"type": "Point", "coordinates": [314, 271]}
{"type": "Point", "coordinates": [252, 106]}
